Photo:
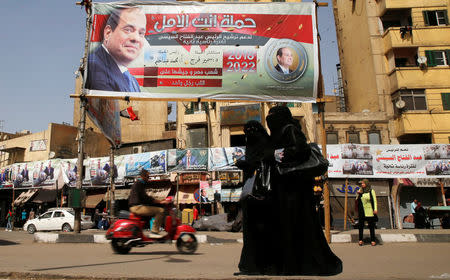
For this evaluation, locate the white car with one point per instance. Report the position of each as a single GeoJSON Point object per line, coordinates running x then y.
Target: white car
{"type": "Point", "coordinates": [56, 219]}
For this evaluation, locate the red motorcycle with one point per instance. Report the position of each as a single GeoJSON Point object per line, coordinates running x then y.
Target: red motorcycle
{"type": "Point", "coordinates": [127, 232]}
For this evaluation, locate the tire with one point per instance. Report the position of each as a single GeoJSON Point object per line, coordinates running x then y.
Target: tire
{"type": "Point", "coordinates": [31, 229]}
{"type": "Point", "coordinates": [119, 247]}
{"type": "Point", "coordinates": [66, 227]}
{"type": "Point", "coordinates": [187, 243]}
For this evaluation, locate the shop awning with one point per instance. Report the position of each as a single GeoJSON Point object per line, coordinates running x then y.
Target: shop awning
{"type": "Point", "coordinates": [93, 200]}
{"type": "Point", "coordinates": [24, 197]}
{"type": "Point", "coordinates": [118, 195]}
{"type": "Point", "coordinates": [159, 193]}
{"type": "Point", "coordinates": [45, 195]}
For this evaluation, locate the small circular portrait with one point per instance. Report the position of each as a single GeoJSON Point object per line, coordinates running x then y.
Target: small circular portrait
{"type": "Point", "coordinates": [285, 60]}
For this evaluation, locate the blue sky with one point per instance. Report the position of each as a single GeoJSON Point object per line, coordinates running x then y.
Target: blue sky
{"type": "Point", "coordinates": [42, 44]}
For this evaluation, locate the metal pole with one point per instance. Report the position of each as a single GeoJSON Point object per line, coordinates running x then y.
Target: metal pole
{"type": "Point", "coordinates": [79, 185]}
{"type": "Point", "coordinates": [346, 203]}
{"type": "Point", "coordinates": [178, 188]}
{"type": "Point", "coordinates": [112, 183]}
{"type": "Point", "coordinates": [321, 105]}
{"type": "Point", "coordinates": [13, 209]}
{"type": "Point", "coordinates": [82, 123]}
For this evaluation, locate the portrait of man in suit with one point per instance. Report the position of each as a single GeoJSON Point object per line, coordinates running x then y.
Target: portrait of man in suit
{"type": "Point", "coordinates": [123, 41]}
{"type": "Point", "coordinates": [25, 174]}
{"type": "Point", "coordinates": [49, 170]}
{"type": "Point", "coordinates": [285, 60]}
{"type": "Point", "coordinates": [188, 160]}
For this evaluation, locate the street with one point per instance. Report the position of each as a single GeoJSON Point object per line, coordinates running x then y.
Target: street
{"type": "Point", "coordinates": [212, 261]}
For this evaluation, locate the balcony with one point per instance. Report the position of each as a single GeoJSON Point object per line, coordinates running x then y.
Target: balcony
{"type": "Point", "coordinates": [414, 77]}
{"type": "Point", "coordinates": [383, 5]}
{"type": "Point", "coordinates": [420, 122]}
{"type": "Point", "coordinates": [421, 36]}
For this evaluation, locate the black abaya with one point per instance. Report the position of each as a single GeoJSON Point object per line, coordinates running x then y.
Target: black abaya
{"type": "Point", "coordinates": [257, 215]}
{"type": "Point", "coordinates": [302, 247]}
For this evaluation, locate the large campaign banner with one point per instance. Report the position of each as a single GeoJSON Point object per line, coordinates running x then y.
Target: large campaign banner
{"type": "Point", "coordinates": [389, 161]}
{"type": "Point", "coordinates": [187, 160]}
{"type": "Point", "coordinates": [154, 162]}
{"type": "Point", "coordinates": [212, 51]}
{"type": "Point", "coordinates": [225, 158]}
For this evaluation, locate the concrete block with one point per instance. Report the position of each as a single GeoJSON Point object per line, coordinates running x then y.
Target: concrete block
{"type": "Point", "coordinates": [45, 237]}
{"type": "Point", "coordinates": [341, 238]}
{"type": "Point", "coordinates": [387, 237]}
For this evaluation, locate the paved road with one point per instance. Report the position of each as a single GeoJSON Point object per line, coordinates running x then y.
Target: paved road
{"type": "Point", "coordinates": [21, 255]}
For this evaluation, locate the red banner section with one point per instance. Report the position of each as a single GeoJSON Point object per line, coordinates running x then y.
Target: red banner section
{"type": "Point", "coordinates": [177, 82]}
{"type": "Point", "coordinates": [295, 27]}
{"type": "Point", "coordinates": [175, 71]}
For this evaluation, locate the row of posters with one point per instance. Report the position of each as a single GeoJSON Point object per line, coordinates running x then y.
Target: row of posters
{"type": "Point", "coordinates": [346, 161]}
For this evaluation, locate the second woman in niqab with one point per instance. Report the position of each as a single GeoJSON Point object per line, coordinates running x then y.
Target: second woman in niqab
{"type": "Point", "coordinates": [300, 244]}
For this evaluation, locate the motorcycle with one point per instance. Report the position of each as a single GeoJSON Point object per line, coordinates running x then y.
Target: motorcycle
{"type": "Point", "coordinates": [127, 232]}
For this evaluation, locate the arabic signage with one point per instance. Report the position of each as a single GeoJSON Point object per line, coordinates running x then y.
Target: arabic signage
{"type": "Point", "coordinates": [212, 51]}
{"type": "Point", "coordinates": [389, 161]}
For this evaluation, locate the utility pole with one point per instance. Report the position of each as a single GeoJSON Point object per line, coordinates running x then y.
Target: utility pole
{"type": "Point", "coordinates": [112, 183]}
{"type": "Point", "coordinates": [321, 105]}
{"type": "Point", "coordinates": [82, 123]}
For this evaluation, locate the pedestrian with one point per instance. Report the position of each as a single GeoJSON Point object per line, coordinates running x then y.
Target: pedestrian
{"type": "Point", "coordinates": [420, 219]}
{"type": "Point", "coordinates": [258, 253]}
{"type": "Point", "coordinates": [24, 216]}
{"type": "Point", "coordinates": [31, 216]}
{"type": "Point", "coordinates": [9, 218]}
{"type": "Point", "coordinates": [301, 247]}
{"type": "Point", "coordinates": [194, 214]}
{"type": "Point", "coordinates": [366, 200]}
{"type": "Point", "coordinates": [413, 208]}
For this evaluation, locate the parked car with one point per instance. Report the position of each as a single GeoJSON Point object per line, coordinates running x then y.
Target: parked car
{"type": "Point", "coordinates": [56, 219]}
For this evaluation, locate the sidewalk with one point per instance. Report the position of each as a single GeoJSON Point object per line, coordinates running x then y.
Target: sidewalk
{"type": "Point", "coordinates": [218, 237]}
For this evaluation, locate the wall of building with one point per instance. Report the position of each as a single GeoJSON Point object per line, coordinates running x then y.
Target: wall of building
{"type": "Point", "coordinates": [60, 139]}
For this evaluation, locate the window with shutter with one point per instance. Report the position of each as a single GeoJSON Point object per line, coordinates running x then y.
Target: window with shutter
{"type": "Point", "coordinates": [445, 100]}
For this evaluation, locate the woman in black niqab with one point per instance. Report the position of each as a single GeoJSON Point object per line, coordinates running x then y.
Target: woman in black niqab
{"type": "Point", "coordinates": [257, 215]}
{"type": "Point", "coordinates": [301, 245]}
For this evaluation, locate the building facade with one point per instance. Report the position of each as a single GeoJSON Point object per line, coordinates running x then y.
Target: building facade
{"type": "Point", "coordinates": [396, 54]}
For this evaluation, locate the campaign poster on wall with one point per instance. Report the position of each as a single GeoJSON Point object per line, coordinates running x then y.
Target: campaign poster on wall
{"type": "Point", "coordinates": [154, 162]}
{"type": "Point", "coordinates": [212, 51]}
{"type": "Point", "coordinates": [44, 172]}
{"type": "Point", "coordinates": [195, 159]}
{"type": "Point", "coordinates": [225, 158]}
{"type": "Point", "coordinates": [99, 171]}
{"type": "Point", "coordinates": [69, 171]}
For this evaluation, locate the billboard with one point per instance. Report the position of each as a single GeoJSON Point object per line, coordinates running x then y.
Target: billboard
{"type": "Point", "coordinates": [212, 51]}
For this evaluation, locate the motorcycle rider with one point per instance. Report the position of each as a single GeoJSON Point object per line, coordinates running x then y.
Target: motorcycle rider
{"type": "Point", "coordinates": [144, 205]}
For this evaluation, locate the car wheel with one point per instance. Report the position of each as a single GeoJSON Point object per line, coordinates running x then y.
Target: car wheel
{"type": "Point", "coordinates": [187, 243]}
{"type": "Point", "coordinates": [31, 229]}
{"type": "Point", "coordinates": [66, 228]}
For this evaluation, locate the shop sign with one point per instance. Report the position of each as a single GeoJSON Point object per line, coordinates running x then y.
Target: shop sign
{"type": "Point", "coordinates": [191, 178]}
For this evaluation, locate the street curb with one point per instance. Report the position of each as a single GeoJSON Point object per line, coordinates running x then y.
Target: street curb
{"type": "Point", "coordinates": [44, 237]}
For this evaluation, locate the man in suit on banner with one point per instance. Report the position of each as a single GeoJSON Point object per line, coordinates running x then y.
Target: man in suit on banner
{"type": "Point", "coordinates": [123, 40]}
{"type": "Point", "coordinates": [285, 60]}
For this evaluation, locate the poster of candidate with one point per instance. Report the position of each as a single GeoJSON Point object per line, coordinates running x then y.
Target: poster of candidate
{"type": "Point", "coordinates": [69, 171]}
{"type": "Point", "coordinates": [212, 51]}
{"type": "Point", "coordinates": [225, 158]}
{"type": "Point", "coordinates": [189, 159]}
{"type": "Point", "coordinates": [154, 162]}
{"type": "Point", "coordinates": [45, 172]}
{"type": "Point", "coordinates": [99, 171]}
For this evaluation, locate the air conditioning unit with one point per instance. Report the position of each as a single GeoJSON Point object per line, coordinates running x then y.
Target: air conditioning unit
{"type": "Point", "coordinates": [137, 149]}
